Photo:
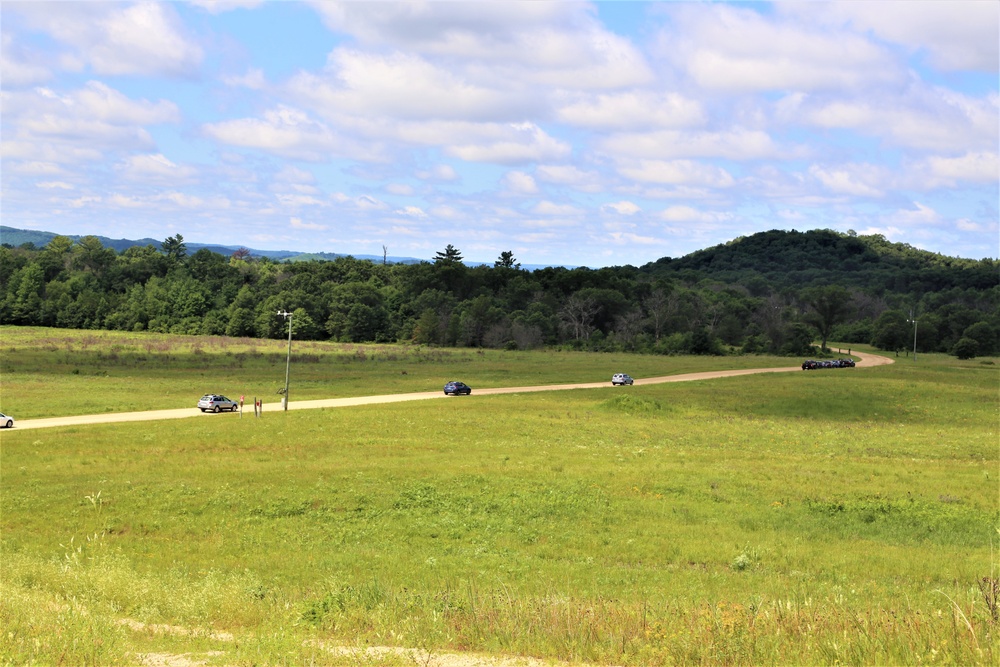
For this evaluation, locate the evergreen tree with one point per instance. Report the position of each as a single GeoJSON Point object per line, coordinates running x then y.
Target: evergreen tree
{"type": "Point", "coordinates": [450, 255]}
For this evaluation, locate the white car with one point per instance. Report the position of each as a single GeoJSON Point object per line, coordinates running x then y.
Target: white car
{"type": "Point", "coordinates": [6, 421]}
{"type": "Point", "coordinates": [621, 378]}
{"type": "Point", "coordinates": [217, 403]}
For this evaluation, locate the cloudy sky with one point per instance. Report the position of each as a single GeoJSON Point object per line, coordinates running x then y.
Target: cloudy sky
{"type": "Point", "coordinates": [593, 134]}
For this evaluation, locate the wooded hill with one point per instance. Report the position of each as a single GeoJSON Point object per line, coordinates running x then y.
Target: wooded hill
{"type": "Point", "coordinates": [775, 291]}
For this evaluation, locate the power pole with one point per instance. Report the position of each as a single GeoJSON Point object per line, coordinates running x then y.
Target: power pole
{"type": "Point", "coordinates": [288, 359]}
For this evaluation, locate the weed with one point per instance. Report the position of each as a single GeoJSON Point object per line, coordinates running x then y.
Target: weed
{"type": "Point", "coordinates": [989, 588]}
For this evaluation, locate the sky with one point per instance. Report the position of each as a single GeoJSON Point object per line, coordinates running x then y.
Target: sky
{"type": "Point", "coordinates": [579, 134]}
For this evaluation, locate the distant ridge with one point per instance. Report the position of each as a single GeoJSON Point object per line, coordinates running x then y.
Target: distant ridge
{"type": "Point", "coordinates": [15, 237]}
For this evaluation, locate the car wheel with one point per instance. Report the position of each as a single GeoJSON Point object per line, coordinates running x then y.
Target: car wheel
{"type": "Point", "coordinates": [216, 408]}
{"type": "Point", "coordinates": [10, 424]}
{"type": "Point", "coordinates": [233, 409]}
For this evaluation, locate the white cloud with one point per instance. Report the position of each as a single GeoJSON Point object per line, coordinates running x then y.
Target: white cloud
{"type": "Point", "coordinates": [632, 110]}
{"type": "Point", "coordinates": [155, 168]}
{"type": "Point", "coordinates": [292, 174]}
{"type": "Point", "coordinates": [86, 200]}
{"type": "Point", "coordinates": [631, 238]}
{"type": "Point", "coordinates": [83, 125]}
{"type": "Point", "coordinates": [368, 203]}
{"type": "Point", "coordinates": [48, 151]}
{"type": "Point", "coordinates": [550, 208]}
{"type": "Point", "coordinates": [446, 213]}
{"type": "Point", "coordinates": [21, 67]}
{"type": "Point", "coordinates": [552, 44]}
{"type": "Point", "coordinates": [117, 39]}
{"type": "Point", "coordinates": [689, 214]}
{"type": "Point", "coordinates": [736, 144]}
{"type": "Point", "coordinates": [520, 183]}
{"type": "Point", "coordinates": [95, 102]}
{"type": "Point", "coordinates": [956, 34]}
{"type": "Point", "coordinates": [291, 133]}
{"type": "Point", "coordinates": [406, 86]}
{"type": "Point", "coordinates": [621, 208]}
{"type": "Point", "coordinates": [296, 223]}
{"type": "Point", "coordinates": [295, 201]}
{"type": "Point", "coordinates": [440, 172]}
{"type": "Point", "coordinates": [411, 212]}
{"type": "Point", "coordinates": [973, 167]}
{"type": "Point", "coordinates": [54, 185]}
{"type": "Point", "coordinates": [401, 189]}
{"type": "Point", "coordinates": [929, 119]}
{"type": "Point", "coordinates": [571, 175]}
{"type": "Point", "coordinates": [253, 79]}
{"type": "Point", "coordinates": [676, 172]}
{"type": "Point", "coordinates": [729, 48]}
{"type": "Point", "coordinates": [511, 144]}
{"type": "Point", "coordinates": [219, 6]}
{"type": "Point", "coordinates": [858, 180]}
{"type": "Point", "coordinates": [919, 216]}
{"type": "Point", "coordinates": [966, 225]}
{"type": "Point", "coordinates": [173, 200]}
{"type": "Point", "coordinates": [34, 168]}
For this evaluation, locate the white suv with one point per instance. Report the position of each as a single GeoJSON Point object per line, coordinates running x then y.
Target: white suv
{"type": "Point", "coordinates": [621, 378]}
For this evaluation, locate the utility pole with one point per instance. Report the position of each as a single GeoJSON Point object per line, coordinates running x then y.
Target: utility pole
{"type": "Point", "coordinates": [913, 318]}
{"type": "Point", "coordinates": [288, 359]}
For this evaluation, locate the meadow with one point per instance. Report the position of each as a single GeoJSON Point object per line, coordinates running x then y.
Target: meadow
{"type": "Point", "coordinates": [835, 517]}
{"type": "Point", "coordinates": [59, 372]}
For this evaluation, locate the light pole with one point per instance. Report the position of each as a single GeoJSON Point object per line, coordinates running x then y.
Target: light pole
{"type": "Point", "coordinates": [913, 318]}
{"type": "Point", "coordinates": [288, 360]}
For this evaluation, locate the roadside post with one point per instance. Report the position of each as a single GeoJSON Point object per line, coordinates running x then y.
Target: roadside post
{"type": "Point", "coordinates": [288, 359]}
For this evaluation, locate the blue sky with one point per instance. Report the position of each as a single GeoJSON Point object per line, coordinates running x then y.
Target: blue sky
{"type": "Point", "coordinates": [590, 134]}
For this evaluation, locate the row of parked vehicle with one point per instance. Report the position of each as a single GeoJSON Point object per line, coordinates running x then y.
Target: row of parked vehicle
{"type": "Point", "coordinates": [456, 388]}
{"type": "Point", "coordinates": [811, 364]}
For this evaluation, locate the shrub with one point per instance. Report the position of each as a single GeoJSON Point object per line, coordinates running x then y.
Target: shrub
{"type": "Point", "coordinates": [965, 348]}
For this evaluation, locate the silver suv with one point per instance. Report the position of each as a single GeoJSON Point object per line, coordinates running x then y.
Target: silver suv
{"type": "Point", "coordinates": [217, 403]}
{"type": "Point", "coordinates": [621, 378]}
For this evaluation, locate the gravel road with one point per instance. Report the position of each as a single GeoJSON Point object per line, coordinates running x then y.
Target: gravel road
{"type": "Point", "coordinates": [866, 360]}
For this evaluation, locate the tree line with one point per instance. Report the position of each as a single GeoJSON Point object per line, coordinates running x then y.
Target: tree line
{"type": "Point", "coordinates": [773, 292]}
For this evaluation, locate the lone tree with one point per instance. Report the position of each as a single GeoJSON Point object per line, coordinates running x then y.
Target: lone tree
{"type": "Point", "coordinates": [174, 247]}
{"type": "Point", "coordinates": [451, 255]}
{"type": "Point", "coordinates": [891, 331]}
{"type": "Point", "coordinates": [830, 305]}
{"type": "Point", "coordinates": [507, 261]}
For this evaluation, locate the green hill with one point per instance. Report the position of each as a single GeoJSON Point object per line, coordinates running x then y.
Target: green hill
{"type": "Point", "coordinates": [792, 260]}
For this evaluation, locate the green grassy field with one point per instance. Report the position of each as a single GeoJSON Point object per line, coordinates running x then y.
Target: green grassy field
{"type": "Point", "coordinates": [837, 517]}
{"type": "Point", "coordinates": [58, 372]}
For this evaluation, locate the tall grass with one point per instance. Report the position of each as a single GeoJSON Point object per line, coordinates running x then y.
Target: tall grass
{"type": "Point", "coordinates": [804, 518]}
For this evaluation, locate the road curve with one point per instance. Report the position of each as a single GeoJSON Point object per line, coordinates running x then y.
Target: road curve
{"type": "Point", "coordinates": [184, 413]}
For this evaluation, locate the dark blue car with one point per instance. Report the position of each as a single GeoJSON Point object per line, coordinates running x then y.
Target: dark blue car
{"type": "Point", "coordinates": [455, 388]}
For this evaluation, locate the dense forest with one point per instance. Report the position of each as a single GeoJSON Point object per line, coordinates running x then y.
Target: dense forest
{"type": "Point", "coordinates": [774, 292]}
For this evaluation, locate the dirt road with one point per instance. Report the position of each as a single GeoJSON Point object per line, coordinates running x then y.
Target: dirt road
{"type": "Point", "coordinates": [184, 413]}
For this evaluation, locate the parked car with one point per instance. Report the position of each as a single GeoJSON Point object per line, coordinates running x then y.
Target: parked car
{"type": "Point", "coordinates": [6, 421]}
{"type": "Point", "coordinates": [621, 378]}
{"type": "Point", "coordinates": [454, 388]}
{"type": "Point", "coordinates": [810, 364]}
{"type": "Point", "coordinates": [217, 403]}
